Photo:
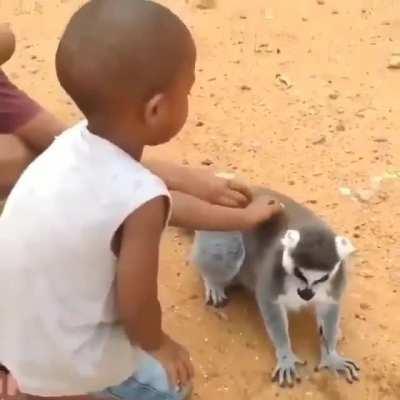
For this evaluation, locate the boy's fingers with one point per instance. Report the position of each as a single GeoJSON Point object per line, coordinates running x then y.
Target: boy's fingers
{"type": "Point", "coordinates": [275, 209]}
{"type": "Point", "coordinates": [183, 374]}
{"type": "Point", "coordinates": [3, 381]}
{"type": "Point", "coordinates": [190, 368]}
{"type": "Point", "coordinates": [12, 388]}
{"type": "Point", "coordinates": [239, 198]}
{"type": "Point", "coordinates": [173, 376]}
{"type": "Point", "coordinates": [238, 186]}
{"type": "Point", "coordinates": [228, 202]}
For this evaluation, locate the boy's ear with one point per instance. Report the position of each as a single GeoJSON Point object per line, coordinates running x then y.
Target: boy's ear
{"type": "Point", "coordinates": [153, 108]}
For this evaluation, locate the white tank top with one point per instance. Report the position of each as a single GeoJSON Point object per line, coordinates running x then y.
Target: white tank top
{"type": "Point", "coordinates": [59, 331]}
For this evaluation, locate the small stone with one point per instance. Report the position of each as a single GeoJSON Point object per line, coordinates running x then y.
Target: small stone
{"type": "Point", "coordinates": [365, 306]}
{"type": "Point", "coordinates": [340, 127]}
{"type": "Point", "coordinates": [283, 81]}
{"type": "Point", "coordinates": [345, 191]}
{"type": "Point", "coordinates": [321, 2]}
{"type": "Point", "coordinates": [321, 140]}
{"type": "Point", "coordinates": [380, 140]}
{"type": "Point", "coordinates": [243, 17]}
{"type": "Point", "coordinates": [205, 4]}
{"type": "Point", "coordinates": [199, 124]}
{"type": "Point", "coordinates": [207, 162]}
{"type": "Point", "coordinates": [364, 195]}
{"type": "Point", "coordinates": [334, 95]}
{"type": "Point", "coordinates": [245, 88]}
{"type": "Point", "coordinates": [394, 62]}
{"type": "Point", "coordinates": [335, 12]}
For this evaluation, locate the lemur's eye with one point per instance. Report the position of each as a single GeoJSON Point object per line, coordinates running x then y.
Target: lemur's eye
{"type": "Point", "coordinates": [323, 279]}
{"type": "Point", "coordinates": [300, 275]}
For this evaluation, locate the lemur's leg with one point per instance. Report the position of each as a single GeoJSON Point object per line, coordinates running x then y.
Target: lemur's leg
{"type": "Point", "coordinates": [218, 257]}
{"type": "Point", "coordinates": [328, 321]}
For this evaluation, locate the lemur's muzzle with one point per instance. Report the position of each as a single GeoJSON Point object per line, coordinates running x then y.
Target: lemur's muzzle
{"type": "Point", "coordinates": [306, 294]}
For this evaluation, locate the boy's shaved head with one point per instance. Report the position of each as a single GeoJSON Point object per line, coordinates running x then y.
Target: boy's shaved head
{"type": "Point", "coordinates": [117, 51]}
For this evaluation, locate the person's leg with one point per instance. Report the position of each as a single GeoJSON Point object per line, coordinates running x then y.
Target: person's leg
{"type": "Point", "coordinates": [25, 130]}
{"type": "Point", "coordinates": [149, 382]}
{"type": "Point", "coordinates": [39, 132]}
{"type": "Point", "coordinates": [14, 158]}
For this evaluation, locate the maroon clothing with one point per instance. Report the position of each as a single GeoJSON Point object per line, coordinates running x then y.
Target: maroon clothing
{"type": "Point", "coordinates": [16, 108]}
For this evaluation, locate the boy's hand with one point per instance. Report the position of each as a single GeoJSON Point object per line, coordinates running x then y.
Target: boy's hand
{"type": "Point", "coordinates": [176, 361]}
{"type": "Point", "coordinates": [261, 209]}
{"type": "Point", "coordinates": [220, 190]}
{"type": "Point", "coordinates": [228, 192]}
{"type": "Point", "coordinates": [9, 387]}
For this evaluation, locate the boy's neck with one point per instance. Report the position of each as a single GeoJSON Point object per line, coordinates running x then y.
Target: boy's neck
{"type": "Point", "coordinates": [122, 137]}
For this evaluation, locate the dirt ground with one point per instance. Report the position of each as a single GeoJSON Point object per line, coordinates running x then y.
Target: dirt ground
{"type": "Point", "coordinates": [295, 95]}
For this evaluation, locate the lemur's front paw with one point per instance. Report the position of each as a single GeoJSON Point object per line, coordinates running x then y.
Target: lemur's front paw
{"type": "Point", "coordinates": [285, 372]}
{"type": "Point", "coordinates": [337, 364]}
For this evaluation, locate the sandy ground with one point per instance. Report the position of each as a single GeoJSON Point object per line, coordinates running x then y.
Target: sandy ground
{"type": "Point", "coordinates": [330, 120]}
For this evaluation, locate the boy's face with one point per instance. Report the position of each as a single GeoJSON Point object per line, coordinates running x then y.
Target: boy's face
{"type": "Point", "coordinates": [173, 105]}
{"type": "Point", "coordinates": [178, 102]}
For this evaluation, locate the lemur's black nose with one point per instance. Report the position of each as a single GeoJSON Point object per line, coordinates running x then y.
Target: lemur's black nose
{"type": "Point", "coordinates": [306, 294]}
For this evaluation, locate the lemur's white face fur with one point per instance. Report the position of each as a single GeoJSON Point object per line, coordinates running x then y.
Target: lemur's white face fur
{"type": "Point", "coordinates": [311, 258]}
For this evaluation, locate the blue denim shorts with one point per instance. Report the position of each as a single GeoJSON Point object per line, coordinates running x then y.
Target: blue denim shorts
{"type": "Point", "coordinates": [149, 382]}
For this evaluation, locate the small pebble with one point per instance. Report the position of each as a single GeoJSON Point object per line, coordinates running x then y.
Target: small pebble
{"type": "Point", "coordinates": [365, 306]}
{"type": "Point", "coordinates": [205, 4]}
{"type": "Point", "coordinates": [245, 87]}
{"type": "Point", "coordinates": [207, 161]}
{"type": "Point", "coordinates": [394, 62]}
{"type": "Point", "coordinates": [340, 127]}
{"type": "Point", "coordinates": [199, 124]}
{"type": "Point", "coordinates": [321, 140]}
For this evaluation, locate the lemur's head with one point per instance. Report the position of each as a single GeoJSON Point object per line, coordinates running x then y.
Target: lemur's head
{"type": "Point", "coordinates": [314, 254]}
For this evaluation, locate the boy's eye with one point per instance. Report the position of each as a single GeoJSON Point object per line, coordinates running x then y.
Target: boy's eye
{"type": "Point", "coordinates": [300, 275]}
{"type": "Point", "coordinates": [323, 279]}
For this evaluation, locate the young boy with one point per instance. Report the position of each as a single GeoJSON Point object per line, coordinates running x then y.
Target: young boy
{"type": "Point", "coordinates": [80, 232]}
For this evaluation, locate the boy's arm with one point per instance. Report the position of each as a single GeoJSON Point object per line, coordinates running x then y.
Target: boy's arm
{"type": "Point", "coordinates": [137, 272]}
{"type": "Point", "coordinates": [201, 183]}
{"type": "Point", "coordinates": [137, 294]}
{"type": "Point", "coordinates": [192, 213]}
{"type": "Point", "coordinates": [7, 43]}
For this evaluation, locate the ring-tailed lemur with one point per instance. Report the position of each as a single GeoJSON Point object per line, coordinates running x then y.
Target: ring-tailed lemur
{"type": "Point", "coordinates": [291, 261]}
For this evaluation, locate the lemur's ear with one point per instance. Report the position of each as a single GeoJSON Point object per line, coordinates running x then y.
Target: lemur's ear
{"type": "Point", "coordinates": [289, 242]}
{"type": "Point", "coordinates": [344, 247]}
{"type": "Point", "coordinates": [291, 239]}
